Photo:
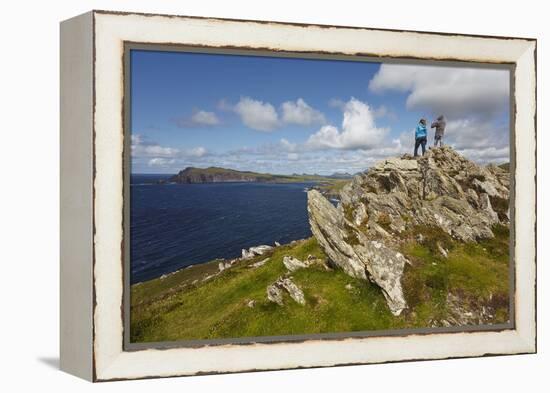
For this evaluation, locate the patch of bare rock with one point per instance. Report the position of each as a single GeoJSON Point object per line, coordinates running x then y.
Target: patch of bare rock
{"type": "Point", "coordinates": [441, 189]}
{"type": "Point", "coordinates": [285, 284]}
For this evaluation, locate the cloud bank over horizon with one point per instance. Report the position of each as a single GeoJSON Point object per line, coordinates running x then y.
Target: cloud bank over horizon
{"type": "Point", "coordinates": [297, 132]}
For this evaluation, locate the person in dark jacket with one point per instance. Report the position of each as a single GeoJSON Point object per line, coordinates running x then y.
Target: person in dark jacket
{"type": "Point", "coordinates": [420, 137]}
{"type": "Point", "coordinates": [439, 126]}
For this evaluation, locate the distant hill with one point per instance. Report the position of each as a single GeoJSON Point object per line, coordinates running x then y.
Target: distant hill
{"type": "Point", "coordinates": [340, 175]}
{"type": "Point", "coordinates": [192, 175]}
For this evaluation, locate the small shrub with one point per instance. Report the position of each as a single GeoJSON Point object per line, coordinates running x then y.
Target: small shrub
{"type": "Point", "coordinates": [433, 238]}
{"type": "Point", "coordinates": [437, 280]}
{"type": "Point", "coordinates": [351, 236]}
{"type": "Point", "coordinates": [348, 213]}
{"type": "Point", "coordinates": [384, 221]}
{"type": "Point", "coordinates": [384, 182]}
{"type": "Point", "coordinates": [414, 288]}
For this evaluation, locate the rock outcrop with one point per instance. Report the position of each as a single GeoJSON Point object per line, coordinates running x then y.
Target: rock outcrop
{"type": "Point", "coordinates": [442, 189]}
{"type": "Point", "coordinates": [259, 263]}
{"type": "Point", "coordinates": [256, 250]}
{"type": "Point", "coordinates": [275, 291]}
{"type": "Point", "coordinates": [275, 294]}
{"type": "Point", "coordinates": [223, 266]}
{"type": "Point", "coordinates": [293, 264]}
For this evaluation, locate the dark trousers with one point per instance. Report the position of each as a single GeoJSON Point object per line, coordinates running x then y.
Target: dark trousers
{"type": "Point", "coordinates": [420, 142]}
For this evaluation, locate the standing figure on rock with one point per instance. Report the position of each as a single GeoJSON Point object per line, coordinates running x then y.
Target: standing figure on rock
{"type": "Point", "coordinates": [439, 126]}
{"type": "Point", "coordinates": [420, 137]}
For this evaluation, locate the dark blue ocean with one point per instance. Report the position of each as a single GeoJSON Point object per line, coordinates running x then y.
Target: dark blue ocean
{"type": "Point", "coordinates": [177, 225]}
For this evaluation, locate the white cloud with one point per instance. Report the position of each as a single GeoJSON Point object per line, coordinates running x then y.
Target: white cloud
{"type": "Point", "coordinates": [472, 133]}
{"type": "Point", "coordinates": [288, 146]}
{"type": "Point", "coordinates": [453, 91]}
{"type": "Point", "coordinates": [262, 116]}
{"type": "Point", "coordinates": [358, 131]}
{"type": "Point", "coordinates": [205, 118]}
{"type": "Point", "coordinates": [379, 112]}
{"type": "Point", "coordinates": [141, 148]}
{"type": "Point", "coordinates": [293, 156]}
{"type": "Point", "coordinates": [299, 112]}
{"type": "Point", "coordinates": [488, 155]}
{"type": "Point", "coordinates": [257, 115]}
{"type": "Point", "coordinates": [199, 118]}
{"type": "Point", "coordinates": [197, 152]}
{"type": "Point", "coordinates": [160, 162]}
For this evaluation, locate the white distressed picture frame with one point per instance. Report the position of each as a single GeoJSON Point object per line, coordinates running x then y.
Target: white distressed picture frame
{"type": "Point", "coordinates": [92, 190]}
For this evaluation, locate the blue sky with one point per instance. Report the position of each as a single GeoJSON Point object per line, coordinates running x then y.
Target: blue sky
{"type": "Point", "coordinates": [288, 115]}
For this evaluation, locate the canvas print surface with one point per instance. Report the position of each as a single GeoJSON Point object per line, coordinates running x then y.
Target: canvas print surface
{"type": "Point", "coordinates": [280, 196]}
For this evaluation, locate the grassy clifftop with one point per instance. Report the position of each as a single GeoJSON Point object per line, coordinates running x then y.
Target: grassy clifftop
{"type": "Point", "coordinates": [469, 286]}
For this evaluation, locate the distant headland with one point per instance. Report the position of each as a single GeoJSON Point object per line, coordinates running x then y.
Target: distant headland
{"type": "Point", "coordinates": [192, 175]}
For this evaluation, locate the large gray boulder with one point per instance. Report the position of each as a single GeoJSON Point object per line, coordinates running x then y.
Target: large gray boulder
{"type": "Point", "coordinates": [352, 251]}
{"type": "Point", "coordinates": [442, 189]}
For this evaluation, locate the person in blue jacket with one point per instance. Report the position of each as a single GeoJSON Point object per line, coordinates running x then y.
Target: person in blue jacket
{"type": "Point", "coordinates": [421, 137]}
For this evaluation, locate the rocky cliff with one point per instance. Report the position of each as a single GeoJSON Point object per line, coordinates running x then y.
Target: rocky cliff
{"type": "Point", "coordinates": [223, 175]}
{"type": "Point", "coordinates": [216, 175]}
{"type": "Point", "coordinates": [399, 198]}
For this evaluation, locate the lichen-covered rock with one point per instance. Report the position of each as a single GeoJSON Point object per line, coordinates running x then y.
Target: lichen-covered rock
{"type": "Point", "coordinates": [441, 189]}
{"type": "Point", "coordinates": [460, 313]}
{"type": "Point", "coordinates": [275, 291]}
{"type": "Point", "coordinates": [352, 251]}
{"type": "Point", "coordinates": [275, 294]}
{"type": "Point", "coordinates": [254, 251]}
{"type": "Point", "coordinates": [224, 265]}
{"type": "Point", "coordinates": [293, 264]}
{"type": "Point", "coordinates": [293, 290]}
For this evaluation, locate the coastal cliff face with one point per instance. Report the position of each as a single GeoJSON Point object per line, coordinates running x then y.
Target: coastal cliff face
{"type": "Point", "coordinates": [442, 197]}
{"type": "Point", "coordinates": [215, 175]}
{"type": "Point", "coordinates": [191, 175]}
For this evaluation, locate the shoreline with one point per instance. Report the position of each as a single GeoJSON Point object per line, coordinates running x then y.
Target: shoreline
{"type": "Point", "coordinates": [330, 189]}
{"type": "Point", "coordinates": [217, 261]}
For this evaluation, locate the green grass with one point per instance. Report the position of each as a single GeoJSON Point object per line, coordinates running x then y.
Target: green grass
{"type": "Point", "coordinates": [334, 186]}
{"type": "Point", "coordinates": [176, 309]}
{"type": "Point", "coordinates": [476, 272]}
